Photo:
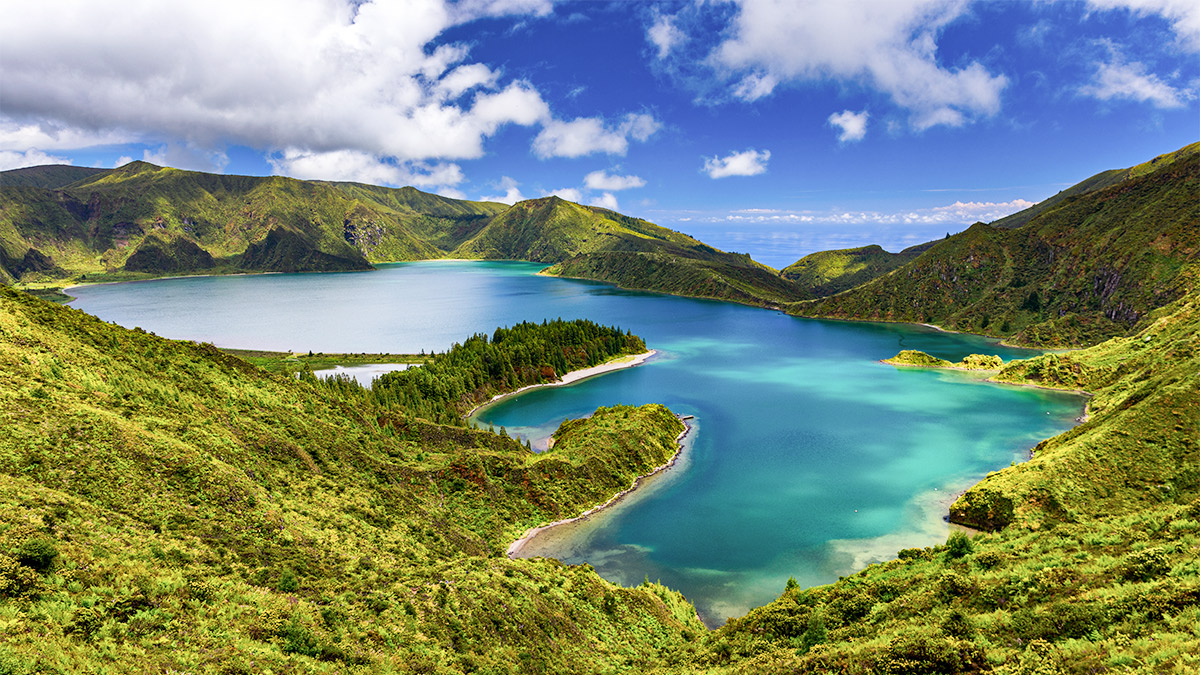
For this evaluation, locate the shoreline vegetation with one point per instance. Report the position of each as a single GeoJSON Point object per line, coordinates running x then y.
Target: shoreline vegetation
{"type": "Point", "coordinates": [571, 377]}
{"type": "Point", "coordinates": [682, 442]}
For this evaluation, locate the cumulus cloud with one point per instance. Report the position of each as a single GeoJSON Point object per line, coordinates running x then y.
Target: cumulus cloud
{"type": "Point", "coordinates": [746, 163]}
{"type": "Point", "coordinates": [852, 126]}
{"type": "Point", "coordinates": [1184, 16]}
{"type": "Point", "coordinates": [664, 35]}
{"type": "Point", "coordinates": [1130, 81]}
{"type": "Point", "coordinates": [569, 194]}
{"type": "Point", "coordinates": [890, 46]}
{"type": "Point", "coordinates": [589, 135]}
{"type": "Point", "coordinates": [512, 193]}
{"type": "Point", "coordinates": [330, 76]}
{"type": "Point", "coordinates": [11, 159]}
{"type": "Point", "coordinates": [607, 201]}
{"type": "Point", "coordinates": [599, 180]}
{"type": "Point", "coordinates": [362, 167]}
{"type": "Point", "coordinates": [47, 136]}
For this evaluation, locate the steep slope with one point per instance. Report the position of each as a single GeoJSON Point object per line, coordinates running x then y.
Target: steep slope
{"type": "Point", "coordinates": [1100, 181]}
{"type": "Point", "coordinates": [46, 176]}
{"type": "Point", "coordinates": [830, 272]}
{"type": "Point", "coordinates": [588, 242]}
{"type": "Point", "coordinates": [93, 224]}
{"type": "Point", "coordinates": [164, 506]}
{"type": "Point", "coordinates": [1089, 268]}
{"type": "Point", "coordinates": [552, 229]}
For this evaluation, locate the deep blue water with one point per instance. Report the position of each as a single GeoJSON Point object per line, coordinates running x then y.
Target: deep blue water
{"type": "Point", "coordinates": [810, 458]}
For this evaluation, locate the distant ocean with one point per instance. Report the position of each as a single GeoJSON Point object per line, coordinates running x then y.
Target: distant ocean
{"type": "Point", "coordinates": [780, 247]}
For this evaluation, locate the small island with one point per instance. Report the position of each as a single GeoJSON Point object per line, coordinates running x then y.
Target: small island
{"type": "Point", "coordinates": [913, 358]}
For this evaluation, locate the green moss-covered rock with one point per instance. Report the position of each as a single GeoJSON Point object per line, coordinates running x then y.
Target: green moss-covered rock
{"type": "Point", "coordinates": [913, 357]}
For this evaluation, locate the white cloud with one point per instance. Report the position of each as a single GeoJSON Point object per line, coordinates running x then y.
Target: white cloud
{"type": "Point", "coordinates": [665, 35]}
{"type": "Point", "coordinates": [599, 180]}
{"type": "Point", "coordinates": [746, 163]}
{"type": "Point", "coordinates": [1184, 15]}
{"type": "Point", "coordinates": [329, 76]}
{"type": "Point", "coordinates": [361, 167]}
{"type": "Point", "coordinates": [755, 86]}
{"type": "Point", "coordinates": [11, 159]}
{"type": "Point", "coordinates": [958, 213]}
{"type": "Point", "coordinates": [852, 125]}
{"type": "Point", "coordinates": [15, 136]}
{"type": "Point", "coordinates": [569, 194]}
{"type": "Point", "coordinates": [607, 201]}
{"type": "Point", "coordinates": [890, 46]}
{"type": "Point", "coordinates": [512, 193]}
{"type": "Point", "coordinates": [588, 135]}
{"type": "Point", "coordinates": [1130, 81]}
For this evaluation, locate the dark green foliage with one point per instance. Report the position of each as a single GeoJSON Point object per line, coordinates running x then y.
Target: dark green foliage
{"type": "Point", "coordinates": [1147, 564]}
{"type": "Point", "coordinates": [450, 384]}
{"type": "Point", "coordinates": [710, 274]}
{"type": "Point", "coordinates": [164, 254]}
{"type": "Point", "coordinates": [1088, 267]}
{"type": "Point", "coordinates": [206, 512]}
{"type": "Point", "coordinates": [959, 544]}
{"type": "Point", "coordinates": [830, 272]}
{"type": "Point", "coordinates": [983, 509]}
{"type": "Point", "coordinates": [37, 554]}
{"type": "Point", "coordinates": [918, 654]}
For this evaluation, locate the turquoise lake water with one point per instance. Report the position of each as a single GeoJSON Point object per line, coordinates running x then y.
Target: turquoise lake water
{"type": "Point", "coordinates": [809, 459]}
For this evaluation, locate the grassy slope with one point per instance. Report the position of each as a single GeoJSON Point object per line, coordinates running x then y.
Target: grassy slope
{"type": "Point", "coordinates": [830, 272]}
{"type": "Point", "coordinates": [91, 226]}
{"type": "Point", "coordinates": [209, 515]}
{"type": "Point", "coordinates": [593, 243]}
{"type": "Point", "coordinates": [1087, 269]}
{"type": "Point", "coordinates": [47, 176]}
{"type": "Point", "coordinates": [1096, 571]}
{"type": "Point", "coordinates": [1100, 181]}
{"type": "Point", "coordinates": [141, 221]}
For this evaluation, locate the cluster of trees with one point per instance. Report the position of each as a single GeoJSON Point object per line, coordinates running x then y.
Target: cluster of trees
{"type": "Point", "coordinates": [470, 373]}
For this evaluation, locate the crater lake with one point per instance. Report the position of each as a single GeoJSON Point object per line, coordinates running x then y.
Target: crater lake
{"type": "Point", "coordinates": [809, 458]}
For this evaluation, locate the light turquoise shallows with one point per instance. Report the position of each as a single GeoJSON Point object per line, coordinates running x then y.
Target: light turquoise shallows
{"type": "Point", "coordinates": [810, 458]}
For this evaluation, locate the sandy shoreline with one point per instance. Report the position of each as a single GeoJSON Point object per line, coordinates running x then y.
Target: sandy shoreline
{"type": "Point", "coordinates": [514, 549]}
{"type": "Point", "coordinates": [574, 376]}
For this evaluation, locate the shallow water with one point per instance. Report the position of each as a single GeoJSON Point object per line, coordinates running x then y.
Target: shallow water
{"type": "Point", "coordinates": [810, 457]}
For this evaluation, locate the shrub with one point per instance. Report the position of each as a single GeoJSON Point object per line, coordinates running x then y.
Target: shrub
{"type": "Point", "coordinates": [951, 584]}
{"type": "Point", "coordinates": [959, 545]}
{"type": "Point", "coordinates": [16, 580]}
{"type": "Point", "coordinates": [1146, 564]}
{"type": "Point", "coordinates": [37, 554]}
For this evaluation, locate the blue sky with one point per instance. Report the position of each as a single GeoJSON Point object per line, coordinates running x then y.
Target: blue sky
{"type": "Point", "coordinates": [776, 127]}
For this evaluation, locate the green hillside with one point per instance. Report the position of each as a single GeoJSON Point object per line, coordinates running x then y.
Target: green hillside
{"type": "Point", "coordinates": [186, 221]}
{"type": "Point", "coordinates": [47, 176]}
{"type": "Point", "coordinates": [552, 229]}
{"type": "Point", "coordinates": [166, 507]}
{"type": "Point", "coordinates": [1090, 267]}
{"type": "Point", "coordinates": [725, 278]}
{"type": "Point", "coordinates": [58, 226]}
{"type": "Point", "coordinates": [1098, 182]}
{"type": "Point", "coordinates": [830, 272]}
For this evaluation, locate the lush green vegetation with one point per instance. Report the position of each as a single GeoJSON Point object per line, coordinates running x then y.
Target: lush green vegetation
{"type": "Point", "coordinates": [1088, 267]}
{"type": "Point", "coordinates": [723, 277]}
{"type": "Point", "coordinates": [293, 363]}
{"type": "Point", "coordinates": [830, 272]}
{"type": "Point", "coordinates": [452, 383]}
{"type": "Point", "coordinates": [165, 506]}
{"type": "Point", "coordinates": [913, 357]}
